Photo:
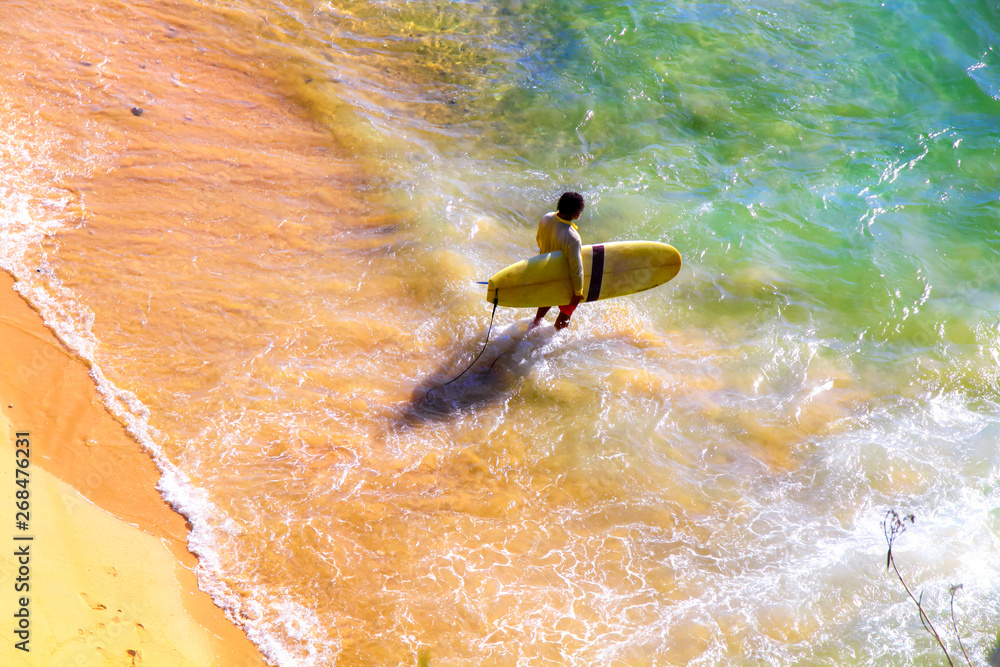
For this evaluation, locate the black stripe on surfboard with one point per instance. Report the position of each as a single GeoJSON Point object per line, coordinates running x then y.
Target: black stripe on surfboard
{"type": "Point", "coordinates": [596, 273]}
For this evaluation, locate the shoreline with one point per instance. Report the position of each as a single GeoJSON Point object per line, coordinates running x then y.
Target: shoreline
{"type": "Point", "coordinates": [131, 123]}
{"type": "Point", "coordinates": [110, 578]}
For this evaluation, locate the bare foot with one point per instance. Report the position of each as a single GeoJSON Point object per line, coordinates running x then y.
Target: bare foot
{"type": "Point", "coordinates": [562, 321]}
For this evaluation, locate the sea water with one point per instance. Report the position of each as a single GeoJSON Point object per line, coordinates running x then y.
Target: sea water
{"type": "Point", "coordinates": [261, 223]}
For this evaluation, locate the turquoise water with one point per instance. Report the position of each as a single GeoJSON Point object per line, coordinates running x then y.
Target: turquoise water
{"type": "Point", "coordinates": [696, 475]}
{"type": "Point", "coordinates": [829, 171]}
{"type": "Point", "coordinates": [847, 149]}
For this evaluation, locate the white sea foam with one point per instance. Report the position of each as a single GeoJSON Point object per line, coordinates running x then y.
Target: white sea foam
{"type": "Point", "coordinates": [31, 211]}
{"type": "Point", "coordinates": [254, 612]}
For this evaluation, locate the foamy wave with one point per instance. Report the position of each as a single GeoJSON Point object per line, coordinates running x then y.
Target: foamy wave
{"type": "Point", "coordinates": [71, 322]}
{"type": "Point", "coordinates": [250, 612]}
{"type": "Point", "coordinates": [31, 212]}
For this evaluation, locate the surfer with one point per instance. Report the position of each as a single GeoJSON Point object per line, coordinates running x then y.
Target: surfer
{"type": "Point", "coordinates": [557, 231]}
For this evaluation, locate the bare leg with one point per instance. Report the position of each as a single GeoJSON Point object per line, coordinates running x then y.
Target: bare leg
{"type": "Point", "coordinates": [539, 316]}
{"type": "Point", "coordinates": [566, 312]}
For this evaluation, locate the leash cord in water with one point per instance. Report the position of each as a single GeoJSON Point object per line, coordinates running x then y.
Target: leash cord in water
{"type": "Point", "coordinates": [496, 298]}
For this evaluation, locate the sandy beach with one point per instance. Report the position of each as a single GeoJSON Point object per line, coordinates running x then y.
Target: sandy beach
{"type": "Point", "coordinates": [144, 116]}
{"type": "Point", "coordinates": [109, 579]}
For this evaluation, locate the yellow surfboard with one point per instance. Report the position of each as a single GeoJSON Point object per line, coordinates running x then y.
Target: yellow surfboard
{"type": "Point", "coordinates": [609, 270]}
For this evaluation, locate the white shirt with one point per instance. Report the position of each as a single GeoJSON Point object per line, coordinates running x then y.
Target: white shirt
{"type": "Point", "coordinates": [554, 233]}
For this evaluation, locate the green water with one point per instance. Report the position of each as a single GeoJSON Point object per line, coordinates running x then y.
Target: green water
{"type": "Point", "coordinates": [829, 172]}
{"type": "Point", "coordinates": [847, 147]}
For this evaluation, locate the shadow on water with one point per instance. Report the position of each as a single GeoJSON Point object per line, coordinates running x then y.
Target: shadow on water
{"type": "Point", "coordinates": [439, 397]}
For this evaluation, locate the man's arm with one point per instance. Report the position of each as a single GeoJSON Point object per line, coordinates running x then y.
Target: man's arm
{"type": "Point", "coordinates": [575, 257]}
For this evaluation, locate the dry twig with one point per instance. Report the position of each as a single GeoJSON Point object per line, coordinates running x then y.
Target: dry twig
{"type": "Point", "coordinates": [894, 525]}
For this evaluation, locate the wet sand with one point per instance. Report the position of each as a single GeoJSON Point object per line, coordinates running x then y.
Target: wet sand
{"type": "Point", "coordinates": [111, 581]}
{"type": "Point", "coordinates": [129, 122]}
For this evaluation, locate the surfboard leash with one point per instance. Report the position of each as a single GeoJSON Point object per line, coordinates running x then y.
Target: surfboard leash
{"type": "Point", "coordinates": [496, 300]}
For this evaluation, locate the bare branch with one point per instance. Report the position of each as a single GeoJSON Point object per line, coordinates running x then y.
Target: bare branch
{"type": "Point", "coordinates": [894, 525]}
{"type": "Point", "coordinates": [954, 623]}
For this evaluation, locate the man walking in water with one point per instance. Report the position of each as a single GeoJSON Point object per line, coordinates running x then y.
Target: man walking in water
{"type": "Point", "coordinates": [556, 231]}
